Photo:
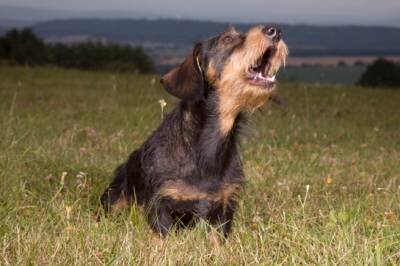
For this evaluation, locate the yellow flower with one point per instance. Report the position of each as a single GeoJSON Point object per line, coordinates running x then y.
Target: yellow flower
{"type": "Point", "coordinates": [328, 180]}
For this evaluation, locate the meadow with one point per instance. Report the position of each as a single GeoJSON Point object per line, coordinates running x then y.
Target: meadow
{"type": "Point", "coordinates": [322, 177]}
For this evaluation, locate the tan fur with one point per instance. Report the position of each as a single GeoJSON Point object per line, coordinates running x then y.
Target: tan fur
{"type": "Point", "coordinates": [279, 59]}
{"type": "Point", "coordinates": [234, 90]}
{"type": "Point", "coordinates": [211, 73]}
{"type": "Point", "coordinates": [121, 204]}
{"type": "Point", "coordinates": [181, 191]}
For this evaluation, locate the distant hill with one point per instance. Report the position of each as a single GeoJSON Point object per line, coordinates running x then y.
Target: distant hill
{"type": "Point", "coordinates": [11, 23]}
{"type": "Point", "coordinates": [303, 40]}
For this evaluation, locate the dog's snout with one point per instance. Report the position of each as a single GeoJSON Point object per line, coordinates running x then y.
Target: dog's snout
{"type": "Point", "coordinates": [274, 33]}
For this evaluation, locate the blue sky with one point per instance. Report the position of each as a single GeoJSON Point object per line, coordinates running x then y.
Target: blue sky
{"type": "Point", "coordinates": [365, 12]}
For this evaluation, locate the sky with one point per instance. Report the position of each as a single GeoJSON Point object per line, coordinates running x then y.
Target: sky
{"type": "Point", "coordinates": [359, 12]}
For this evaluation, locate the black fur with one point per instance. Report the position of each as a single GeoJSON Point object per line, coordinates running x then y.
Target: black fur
{"type": "Point", "coordinates": [191, 150]}
{"type": "Point", "coordinates": [189, 147]}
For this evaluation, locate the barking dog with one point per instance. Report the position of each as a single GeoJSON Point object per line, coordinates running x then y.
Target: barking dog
{"type": "Point", "coordinates": [190, 168]}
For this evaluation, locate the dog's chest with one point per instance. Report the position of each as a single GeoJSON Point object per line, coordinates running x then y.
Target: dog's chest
{"type": "Point", "coordinates": [180, 191]}
{"type": "Point", "coordinates": [201, 200]}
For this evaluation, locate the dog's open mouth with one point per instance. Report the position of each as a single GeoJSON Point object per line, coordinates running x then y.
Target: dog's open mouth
{"type": "Point", "coordinates": [258, 73]}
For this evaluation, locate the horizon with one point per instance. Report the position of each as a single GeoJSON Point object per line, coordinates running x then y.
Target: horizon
{"type": "Point", "coordinates": [327, 14]}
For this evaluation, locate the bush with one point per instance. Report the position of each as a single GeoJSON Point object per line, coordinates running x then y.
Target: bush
{"type": "Point", "coordinates": [24, 48]}
{"type": "Point", "coordinates": [381, 73]}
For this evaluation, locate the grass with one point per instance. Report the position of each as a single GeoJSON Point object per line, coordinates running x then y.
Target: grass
{"type": "Point", "coordinates": [323, 178]}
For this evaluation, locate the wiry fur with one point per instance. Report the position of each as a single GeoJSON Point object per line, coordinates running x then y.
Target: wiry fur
{"type": "Point", "coordinates": [190, 168]}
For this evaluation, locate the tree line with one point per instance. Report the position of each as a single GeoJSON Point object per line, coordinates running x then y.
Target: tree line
{"type": "Point", "coordinates": [23, 47]}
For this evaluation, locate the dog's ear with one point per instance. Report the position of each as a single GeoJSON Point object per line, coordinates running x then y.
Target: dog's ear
{"type": "Point", "coordinates": [186, 80]}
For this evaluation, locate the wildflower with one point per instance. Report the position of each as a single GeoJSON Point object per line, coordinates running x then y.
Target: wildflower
{"type": "Point", "coordinates": [62, 179]}
{"type": "Point", "coordinates": [81, 179]}
{"type": "Point", "coordinates": [162, 103]}
{"type": "Point", "coordinates": [328, 180]}
{"type": "Point", "coordinates": [68, 210]}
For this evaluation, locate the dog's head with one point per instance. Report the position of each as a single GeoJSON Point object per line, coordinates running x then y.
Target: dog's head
{"type": "Point", "coordinates": [238, 68]}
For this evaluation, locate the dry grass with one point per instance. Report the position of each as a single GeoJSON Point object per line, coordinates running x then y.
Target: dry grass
{"type": "Point", "coordinates": [323, 178]}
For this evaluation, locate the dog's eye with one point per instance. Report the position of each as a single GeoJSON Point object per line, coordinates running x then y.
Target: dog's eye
{"type": "Point", "coordinates": [227, 39]}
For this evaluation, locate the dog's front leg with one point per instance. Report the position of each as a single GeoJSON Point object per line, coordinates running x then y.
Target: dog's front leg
{"type": "Point", "coordinates": [160, 218]}
{"type": "Point", "coordinates": [221, 219]}
{"type": "Point", "coordinates": [118, 194]}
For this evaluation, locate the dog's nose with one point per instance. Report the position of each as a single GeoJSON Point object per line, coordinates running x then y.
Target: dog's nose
{"type": "Point", "coordinates": [274, 33]}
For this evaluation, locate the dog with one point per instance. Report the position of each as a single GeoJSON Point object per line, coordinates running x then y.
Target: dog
{"type": "Point", "coordinates": [190, 169]}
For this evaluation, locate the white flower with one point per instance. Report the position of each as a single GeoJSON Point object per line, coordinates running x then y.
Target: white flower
{"type": "Point", "coordinates": [162, 103]}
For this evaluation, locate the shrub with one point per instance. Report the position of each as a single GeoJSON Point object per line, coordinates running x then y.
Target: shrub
{"type": "Point", "coordinates": [23, 47]}
{"type": "Point", "coordinates": [381, 73]}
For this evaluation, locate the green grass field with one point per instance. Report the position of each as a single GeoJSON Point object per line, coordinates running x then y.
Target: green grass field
{"type": "Point", "coordinates": [323, 178]}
